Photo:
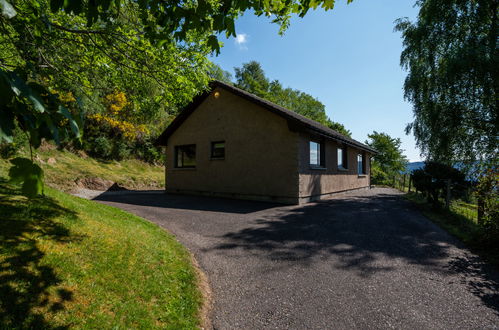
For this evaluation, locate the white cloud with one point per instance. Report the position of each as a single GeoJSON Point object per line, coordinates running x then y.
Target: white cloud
{"type": "Point", "coordinates": [241, 40]}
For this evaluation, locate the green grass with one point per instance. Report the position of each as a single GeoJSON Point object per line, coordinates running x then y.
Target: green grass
{"type": "Point", "coordinates": [460, 221]}
{"type": "Point", "coordinates": [69, 167]}
{"type": "Point", "coordinates": [69, 262]}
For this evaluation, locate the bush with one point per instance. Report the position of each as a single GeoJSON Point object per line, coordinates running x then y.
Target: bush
{"type": "Point", "coordinates": [148, 152]}
{"type": "Point", "coordinates": [101, 147]}
{"type": "Point", "coordinates": [378, 176]}
{"type": "Point", "coordinates": [108, 138]}
{"type": "Point", "coordinates": [121, 150]}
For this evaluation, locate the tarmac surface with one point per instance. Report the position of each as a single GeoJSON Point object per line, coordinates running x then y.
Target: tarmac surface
{"type": "Point", "coordinates": [365, 259]}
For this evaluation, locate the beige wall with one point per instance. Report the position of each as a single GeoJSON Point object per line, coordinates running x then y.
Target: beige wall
{"type": "Point", "coordinates": [260, 151]}
{"type": "Point", "coordinates": [316, 182]}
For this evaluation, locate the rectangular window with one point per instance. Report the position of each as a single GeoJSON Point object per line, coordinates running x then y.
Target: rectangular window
{"type": "Point", "coordinates": [361, 163]}
{"type": "Point", "coordinates": [317, 154]}
{"type": "Point", "coordinates": [342, 158]}
{"type": "Point", "coordinates": [218, 150]}
{"type": "Point", "coordinates": [185, 156]}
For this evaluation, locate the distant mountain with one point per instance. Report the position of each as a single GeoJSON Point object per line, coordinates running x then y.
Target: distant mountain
{"type": "Point", "coordinates": [413, 166]}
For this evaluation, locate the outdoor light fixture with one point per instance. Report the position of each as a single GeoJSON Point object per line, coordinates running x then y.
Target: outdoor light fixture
{"type": "Point", "coordinates": [216, 95]}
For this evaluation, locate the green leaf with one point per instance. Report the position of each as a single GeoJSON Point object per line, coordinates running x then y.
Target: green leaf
{"type": "Point", "coordinates": [214, 44]}
{"type": "Point", "coordinates": [6, 125]}
{"type": "Point", "coordinates": [20, 88]}
{"type": "Point", "coordinates": [32, 92]}
{"type": "Point", "coordinates": [7, 10]}
{"type": "Point", "coordinates": [36, 101]}
{"type": "Point", "coordinates": [27, 173]}
{"type": "Point", "coordinates": [72, 122]}
{"type": "Point", "coordinates": [6, 93]}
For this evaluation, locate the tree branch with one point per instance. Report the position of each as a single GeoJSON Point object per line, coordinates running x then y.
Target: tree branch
{"type": "Point", "coordinates": [60, 27]}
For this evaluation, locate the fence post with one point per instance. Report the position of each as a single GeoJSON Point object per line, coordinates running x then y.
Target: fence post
{"type": "Point", "coordinates": [403, 184]}
{"type": "Point", "coordinates": [481, 210]}
{"type": "Point", "coordinates": [410, 181]}
{"type": "Point", "coordinates": [447, 196]}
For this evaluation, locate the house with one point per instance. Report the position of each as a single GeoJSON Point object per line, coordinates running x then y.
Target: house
{"type": "Point", "coordinates": [228, 142]}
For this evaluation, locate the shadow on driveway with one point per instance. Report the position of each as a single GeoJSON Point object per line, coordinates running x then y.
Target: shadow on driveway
{"type": "Point", "coordinates": [359, 232]}
{"type": "Point", "coordinates": [359, 236]}
{"type": "Point", "coordinates": [158, 198]}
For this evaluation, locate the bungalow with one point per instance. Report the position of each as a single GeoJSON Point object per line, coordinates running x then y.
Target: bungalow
{"type": "Point", "coordinates": [230, 143]}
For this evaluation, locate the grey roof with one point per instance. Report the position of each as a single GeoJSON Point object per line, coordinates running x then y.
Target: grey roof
{"type": "Point", "coordinates": [291, 116]}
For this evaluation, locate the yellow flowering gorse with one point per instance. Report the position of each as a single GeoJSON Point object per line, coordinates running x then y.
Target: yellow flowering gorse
{"type": "Point", "coordinates": [116, 101]}
{"type": "Point", "coordinates": [129, 130]}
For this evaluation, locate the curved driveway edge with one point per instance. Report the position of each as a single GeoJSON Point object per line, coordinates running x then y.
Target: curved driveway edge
{"type": "Point", "coordinates": [365, 259]}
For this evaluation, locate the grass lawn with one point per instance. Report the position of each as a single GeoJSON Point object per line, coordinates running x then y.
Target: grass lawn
{"type": "Point", "coordinates": [69, 262]}
{"type": "Point", "coordinates": [461, 221]}
{"type": "Point", "coordinates": [68, 167]}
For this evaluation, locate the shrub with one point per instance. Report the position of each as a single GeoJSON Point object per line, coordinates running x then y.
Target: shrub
{"type": "Point", "coordinates": [121, 150]}
{"type": "Point", "coordinates": [148, 152]}
{"type": "Point", "coordinates": [101, 147]}
{"type": "Point", "coordinates": [378, 176]}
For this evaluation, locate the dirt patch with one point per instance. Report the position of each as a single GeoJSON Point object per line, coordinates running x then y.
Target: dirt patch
{"type": "Point", "coordinates": [94, 183]}
{"type": "Point", "coordinates": [207, 296]}
{"type": "Point", "coordinates": [46, 146]}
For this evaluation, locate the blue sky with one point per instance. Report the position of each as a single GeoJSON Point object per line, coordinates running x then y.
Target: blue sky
{"type": "Point", "coordinates": [347, 57]}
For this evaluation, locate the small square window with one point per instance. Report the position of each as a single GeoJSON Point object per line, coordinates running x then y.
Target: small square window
{"type": "Point", "coordinates": [185, 156]}
{"type": "Point", "coordinates": [218, 150]}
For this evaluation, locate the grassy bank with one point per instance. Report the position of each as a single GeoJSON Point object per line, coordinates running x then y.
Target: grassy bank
{"type": "Point", "coordinates": [460, 221]}
{"type": "Point", "coordinates": [69, 262]}
{"type": "Point", "coordinates": [63, 169]}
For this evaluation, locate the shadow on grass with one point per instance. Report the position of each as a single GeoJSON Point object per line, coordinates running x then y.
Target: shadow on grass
{"type": "Point", "coordinates": [28, 286]}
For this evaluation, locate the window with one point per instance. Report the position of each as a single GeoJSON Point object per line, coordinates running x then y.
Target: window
{"type": "Point", "coordinates": [218, 150]}
{"type": "Point", "coordinates": [361, 163]}
{"type": "Point", "coordinates": [185, 156]}
{"type": "Point", "coordinates": [317, 154]}
{"type": "Point", "coordinates": [342, 158]}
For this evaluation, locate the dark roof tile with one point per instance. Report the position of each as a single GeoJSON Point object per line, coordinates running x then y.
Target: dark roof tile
{"type": "Point", "coordinates": [283, 112]}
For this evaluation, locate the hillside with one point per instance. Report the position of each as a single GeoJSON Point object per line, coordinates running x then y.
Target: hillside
{"type": "Point", "coordinates": [69, 171]}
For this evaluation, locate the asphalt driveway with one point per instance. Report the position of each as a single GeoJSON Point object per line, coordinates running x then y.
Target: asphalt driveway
{"type": "Point", "coordinates": [360, 260]}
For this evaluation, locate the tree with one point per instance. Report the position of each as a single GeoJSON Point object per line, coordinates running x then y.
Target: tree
{"type": "Point", "coordinates": [433, 179]}
{"type": "Point", "coordinates": [451, 55]}
{"type": "Point", "coordinates": [252, 78]}
{"type": "Point", "coordinates": [176, 20]}
{"type": "Point", "coordinates": [217, 73]}
{"type": "Point", "coordinates": [389, 160]}
{"type": "Point", "coordinates": [338, 127]}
